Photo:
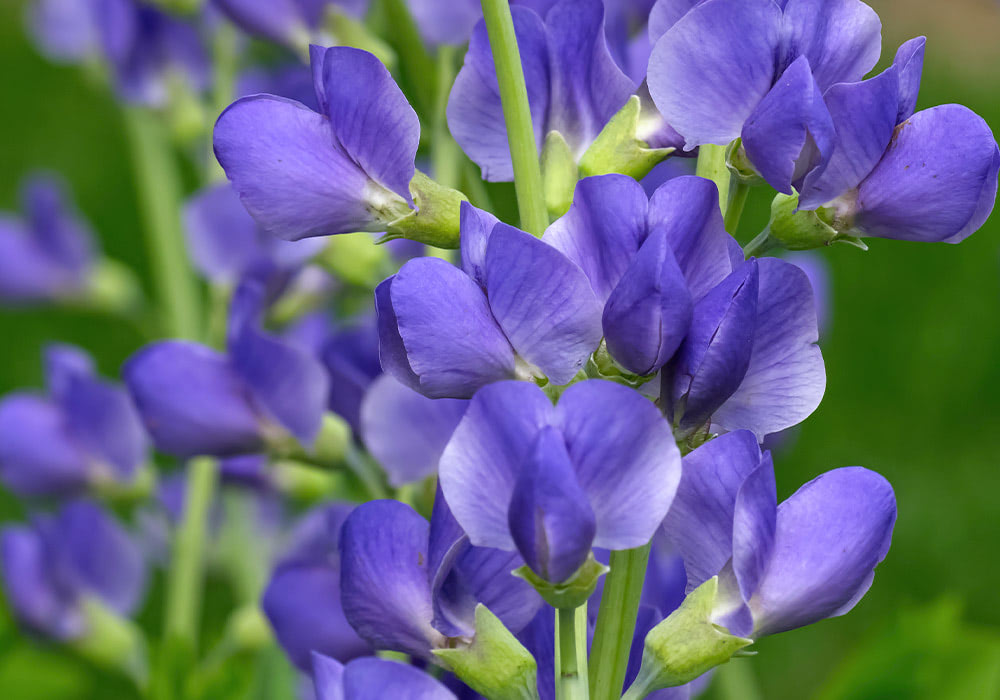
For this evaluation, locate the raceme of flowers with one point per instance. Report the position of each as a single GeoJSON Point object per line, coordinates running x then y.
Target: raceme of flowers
{"type": "Point", "coordinates": [447, 434]}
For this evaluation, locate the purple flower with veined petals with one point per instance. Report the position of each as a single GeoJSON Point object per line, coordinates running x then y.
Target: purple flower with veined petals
{"type": "Point", "coordinates": [597, 470]}
{"type": "Point", "coordinates": [224, 240]}
{"type": "Point", "coordinates": [84, 432]}
{"type": "Point", "coordinates": [49, 254]}
{"type": "Point", "coordinates": [410, 586]}
{"type": "Point", "coordinates": [780, 566]}
{"type": "Point", "coordinates": [289, 22]}
{"type": "Point", "coordinates": [51, 565]}
{"type": "Point", "coordinates": [302, 600]}
{"type": "Point", "coordinates": [371, 678]}
{"type": "Point", "coordinates": [346, 168]}
{"type": "Point", "coordinates": [197, 401]}
{"type": "Point", "coordinates": [405, 431]}
{"type": "Point", "coordinates": [889, 176]}
{"type": "Point", "coordinates": [574, 85]}
{"type": "Point", "coordinates": [517, 308]}
{"type": "Point", "coordinates": [757, 70]}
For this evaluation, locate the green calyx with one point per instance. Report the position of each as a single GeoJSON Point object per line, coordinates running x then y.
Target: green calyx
{"type": "Point", "coordinates": [618, 148]}
{"type": "Point", "coordinates": [494, 664]}
{"type": "Point", "coordinates": [571, 593]}
{"type": "Point", "coordinates": [797, 229]}
{"type": "Point", "coordinates": [559, 174]}
{"type": "Point", "coordinates": [685, 645]}
{"type": "Point", "coordinates": [435, 221]}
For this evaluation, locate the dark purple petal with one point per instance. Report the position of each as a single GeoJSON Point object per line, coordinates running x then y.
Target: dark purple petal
{"type": "Point", "coordinates": [480, 465]}
{"type": "Point", "coordinates": [790, 134]}
{"type": "Point", "coordinates": [371, 678]}
{"type": "Point", "coordinates": [687, 207]}
{"type": "Point", "coordinates": [543, 302]}
{"type": "Point", "coordinates": [452, 343]}
{"type": "Point", "coordinates": [294, 180]}
{"type": "Point", "coordinates": [587, 86]}
{"type": "Point", "coordinates": [38, 456]}
{"type": "Point", "coordinates": [192, 401]}
{"type": "Point", "coordinates": [550, 520]}
{"type": "Point", "coordinates": [29, 589]}
{"type": "Point", "coordinates": [700, 521]}
{"type": "Point", "coordinates": [842, 39]}
{"type": "Point", "coordinates": [648, 313]}
{"type": "Point", "coordinates": [786, 378]}
{"type": "Point", "coordinates": [754, 520]}
{"type": "Point", "coordinates": [909, 63]}
{"type": "Point", "coordinates": [384, 580]}
{"type": "Point", "coordinates": [625, 458]}
{"type": "Point", "coordinates": [830, 536]}
{"type": "Point", "coordinates": [865, 116]}
{"type": "Point", "coordinates": [602, 230]}
{"type": "Point", "coordinates": [936, 182]}
{"type": "Point", "coordinates": [405, 431]}
{"type": "Point", "coordinates": [713, 359]}
{"type": "Point", "coordinates": [475, 115]}
{"type": "Point", "coordinates": [370, 117]}
{"type": "Point", "coordinates": [711, 69]}
{"type": "Point", "coordinates": [302, 603]}
{"type": "Point", "coordinates": [476, 227]}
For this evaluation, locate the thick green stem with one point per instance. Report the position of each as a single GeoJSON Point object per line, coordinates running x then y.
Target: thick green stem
{"type": "Point", "coordinates": [517, 115]}
{"type": "Point", "coordinates": [571, 654]}
{"type": "Point", "coordinates": [159, 190]}
{"type": "Point", "coordinates": [616, 622]}
{"type": "Point", "coordinates": [734, 209]}
{"type": "Point", "coordinates": [712, 165]}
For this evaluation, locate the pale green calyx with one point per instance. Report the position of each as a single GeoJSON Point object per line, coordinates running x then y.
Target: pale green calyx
{"type": "Point", "coordinates": [494, 664]}
{"type": "Point", "coordinates": [685, 645]}
{"type": "Point", "coordinates": [618, 148]}
{"type": "Point", "coordinates": [435, 221]}
{"type": "Point", "coordinates": [797, 229]}
{"type": "Point", "coordinates": [571, 593]}
{"type": "Point", "coordinates": [112, 641]}
{"type": "Point", "coordinates": [559, 174]}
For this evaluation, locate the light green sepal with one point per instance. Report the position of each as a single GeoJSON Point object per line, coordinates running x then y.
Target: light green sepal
{"type": "Point", "coordinates": [685, 645]}
{"type": "Point", "coordinates": [495, 664]}
{"type": "Point", "coordinates": [559, 174]}
{"type": "Point", "coordinates": [571, 593]}
{"type": "Point", "coordinates": [112, 641]}
{"type": "Point", "coordinates": [348, 31]}
{"type": "Point", "coordinates": [435, 221]}
{"type": "Point", "coordinates": [618, 149]}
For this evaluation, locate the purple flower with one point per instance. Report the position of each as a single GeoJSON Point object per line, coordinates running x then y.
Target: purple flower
{"type": "Point", "coordinates": [52, 565]}
{"type": "Point", "coordinates": [889, 177]}
{"type": "Point", "coordinates": [49, 253]}
{"type": "Point", "coordinates": [224, 240]}
{"type": "Point", "coordinates": [780, 566]}
{"type": "Point", "coordinates": [574, 85]}
{"type": "Point", "coordinates": [370, 678]}
{"type": "Point", "coordinates": [552, 482]}
{"type": "Point", "coordinates": [197, 401]}
{"type": "Point", "coordinates": [517, 308]}
{"type": "Point", "coordinates": [290, 22]}
{"type": "Point", "coordinates": [405, 431]}
{"type": "Point", "coordinates": [757, 70]}
{"type": "Point", "coordinates": [410, 586]}
{"type": "Point", "coordinates": [302, 600]}
{"type": "Point", "coordinates": [84, 432]}
{"type": "Point", "coordinates": [346, 168]}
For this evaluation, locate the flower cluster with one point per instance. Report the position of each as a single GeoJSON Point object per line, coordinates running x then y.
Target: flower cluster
{"type": "Point", "coordinates": [496, 432]}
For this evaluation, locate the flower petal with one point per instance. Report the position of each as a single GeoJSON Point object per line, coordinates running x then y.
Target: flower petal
{"type": "Point", "coordinates": [543, 303]}
{"type": "Point", "coordinates": [480, 465]}
{"type": "Point", "coordinates": [625, 457]}
{"type": "Point", "coordinates": [711, 69]}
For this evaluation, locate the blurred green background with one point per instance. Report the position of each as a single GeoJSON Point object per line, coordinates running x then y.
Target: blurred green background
{"type": "Point", "coordinates": [912, 356]}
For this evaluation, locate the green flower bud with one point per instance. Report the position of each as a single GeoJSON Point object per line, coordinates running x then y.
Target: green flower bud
{"type": "Point", "coordinates": [618, 148]}
{"type": "Point", "coordinates": [494, 664]}
{"type": "Point", "coordinates": [435, 221]}
{"type": "Point", "coordinates": [559, 174]}
{"type": "Point", "coordinates": [571, 593]}
{"type": "Point", "coordinates": [685, 645]}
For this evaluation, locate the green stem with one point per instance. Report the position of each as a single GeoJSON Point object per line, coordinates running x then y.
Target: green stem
{"type": "Point", "coordinates": [159, 191]}
{"type": "Point", "coordinates": [571, 654]}
{"type": "Point", "coordinates": [734, 210]}
{"type": "Point", "coordinates": [517, 114]}
{"type": "Point", "coordinates": [761, 244]}
{"type": "Point", "coordinates": [712, 165]}
{"type": "Point", "coordinates": [616, 622]}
